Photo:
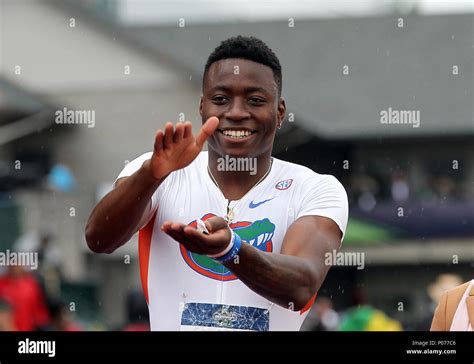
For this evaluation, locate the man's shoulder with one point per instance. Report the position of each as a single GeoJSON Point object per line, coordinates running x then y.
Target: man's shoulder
{"type": "Point", "coordinates": [304, 174]}
{"type": "Point", "coordinates": [139, 159]}
{"type": "Point", "coordinates": [147, 155]}
{"type": "Point", "coordinates": [293, 168]}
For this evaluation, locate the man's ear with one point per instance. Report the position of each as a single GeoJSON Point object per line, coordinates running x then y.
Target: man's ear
{"type": "Point", "coordinates": [200, 105]}
{"type": "Point", "coordinates": [281, 111]}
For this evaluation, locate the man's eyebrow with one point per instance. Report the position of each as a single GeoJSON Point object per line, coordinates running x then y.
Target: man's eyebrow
{"type": "Point", "coordinates": [247, 90]}
{"type": "Point", "coordinates": [220, 88]}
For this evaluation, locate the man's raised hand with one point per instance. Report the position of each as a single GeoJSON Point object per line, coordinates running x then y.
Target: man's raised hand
{"type": "Point", "coordinates": [175, 149]}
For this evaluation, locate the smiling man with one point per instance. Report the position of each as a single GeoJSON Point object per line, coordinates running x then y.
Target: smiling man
{"type": "Point", "coordinates": [219, 248]}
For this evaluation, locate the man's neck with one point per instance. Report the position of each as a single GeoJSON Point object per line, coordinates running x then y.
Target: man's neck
{"type": "Point", "coordinates": [235, 184]}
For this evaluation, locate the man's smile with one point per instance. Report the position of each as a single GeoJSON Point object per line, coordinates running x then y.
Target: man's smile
{"type": "Point", "coordinates": [236, 134]}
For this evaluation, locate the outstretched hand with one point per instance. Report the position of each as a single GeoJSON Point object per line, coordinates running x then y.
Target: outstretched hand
{"type": "Point", "coordinates": [197, 242]}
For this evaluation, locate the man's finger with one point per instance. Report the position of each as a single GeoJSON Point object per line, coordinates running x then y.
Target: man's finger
{"type": "Point", "coordinates": [212, 243]}
{"type": "Point", "coordinates": [178, 133]}
{"type": "Point", "coordinates": [168, 135]}
{"type": "Point", "coordinates": [188, 129]}
{"type": "Point", "coordinates": [193, 234]}
{"type": "Point", "coordinates": [158, 146]}
{"type": "Point", "coordinates": [207, 130]}
{"type": "Point", "coordinates": [174, 230]}
{"type": "Point", "coordinates": [173, 226]}
{"type": "Point", "coordinates": [166, 225]}
{"type": "Point", "coordinates": [192, 243]}
{"type": "Point", "coordinates": [178, 237]}
{"type": "Point", "coordinates": [178, 227]}
{"type": "Point", "coordinates": [215, 223]}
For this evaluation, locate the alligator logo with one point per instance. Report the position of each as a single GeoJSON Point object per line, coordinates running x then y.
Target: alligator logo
{"type": "Point", "coordinates": [259, 234]}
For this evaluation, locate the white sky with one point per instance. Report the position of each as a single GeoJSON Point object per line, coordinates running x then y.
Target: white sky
{"type": "Point", "coordinates": [202, 11]}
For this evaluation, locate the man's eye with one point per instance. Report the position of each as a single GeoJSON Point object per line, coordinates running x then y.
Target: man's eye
{"type": "Point", "coordinates": [256, 100]}
{"type": "Point", "coordinates": [219, 99]}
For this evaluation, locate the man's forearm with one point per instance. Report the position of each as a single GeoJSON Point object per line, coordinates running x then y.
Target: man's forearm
{"type": "Point", "coordinates": [116, 217]}
{"type": "Point", "coordinates": [286, 280]}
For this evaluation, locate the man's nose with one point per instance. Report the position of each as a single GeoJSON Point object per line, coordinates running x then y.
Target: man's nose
{"type": "Point", "coordinates": [237, 111]}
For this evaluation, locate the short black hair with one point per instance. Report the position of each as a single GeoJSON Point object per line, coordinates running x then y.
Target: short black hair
{"type": "Point", "coordinates": [250, 48]}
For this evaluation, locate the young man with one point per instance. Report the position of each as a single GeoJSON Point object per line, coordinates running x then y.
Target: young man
{"type": "Point", "coordinates": [262, 259]}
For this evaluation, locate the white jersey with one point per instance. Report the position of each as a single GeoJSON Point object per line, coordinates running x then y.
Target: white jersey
{"type": "Point", "coordinates": [188, 291]}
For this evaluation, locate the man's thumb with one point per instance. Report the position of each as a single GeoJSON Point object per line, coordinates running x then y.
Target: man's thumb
{"type": "Point", "coordinates": [215, 223]}
{"type": "Point", "coordinates": [207, 130]}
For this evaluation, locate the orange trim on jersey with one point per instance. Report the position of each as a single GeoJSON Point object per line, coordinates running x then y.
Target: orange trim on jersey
{"type": "Point", "coordinates": [144, 245]}
{"type": "Point", "coordinates": [309, 304]}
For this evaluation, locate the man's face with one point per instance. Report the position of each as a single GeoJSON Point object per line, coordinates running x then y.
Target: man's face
{"type": "Point", "coordinates": [244, 96]}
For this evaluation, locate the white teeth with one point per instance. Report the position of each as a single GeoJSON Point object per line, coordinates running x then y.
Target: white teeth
{"type": "Point", "coordinates": [236, 133]}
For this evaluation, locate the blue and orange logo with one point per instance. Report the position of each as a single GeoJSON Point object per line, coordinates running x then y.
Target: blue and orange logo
{"type": "Point", "coordinates": [259, 234]}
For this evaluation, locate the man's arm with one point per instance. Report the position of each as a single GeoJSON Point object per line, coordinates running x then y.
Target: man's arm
{"type": "Point", "coordinates": [120, 213]}
{"type": "Point", "coordinates": [289, 279]}
{"type": "Point", "coordinates": [293, 277]}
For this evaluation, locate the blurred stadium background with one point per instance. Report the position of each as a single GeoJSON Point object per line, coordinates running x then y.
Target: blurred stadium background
{"type": "Point", "coordinates": [138, 64]}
